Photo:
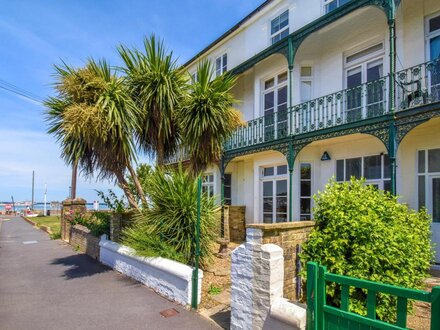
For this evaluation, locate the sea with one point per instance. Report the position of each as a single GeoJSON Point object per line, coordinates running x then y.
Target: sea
{"type": "Point", "coordinates": [40, 207]}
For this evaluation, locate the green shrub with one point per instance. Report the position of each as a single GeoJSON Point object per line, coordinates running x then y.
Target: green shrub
{"type": "Point", "coordinates": [97, 222]}
{"type": "Point", "coordinates": [170, 222]}
{"type": "Point", "coordinates": [365, 233]}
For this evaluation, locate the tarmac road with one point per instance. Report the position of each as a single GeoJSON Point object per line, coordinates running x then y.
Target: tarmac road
{"type": "Point", "coordinates": [44, 284]}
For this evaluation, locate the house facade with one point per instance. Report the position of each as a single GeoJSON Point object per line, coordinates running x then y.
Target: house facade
{"type": "Point", "coordinates": [331, 89]}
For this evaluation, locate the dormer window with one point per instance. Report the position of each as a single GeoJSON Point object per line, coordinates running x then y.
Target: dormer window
{"type": "Point", "coordinates": [221, 65]}
{"type": "Point", "coordinates": [279, 27]}
{"type": "Point", "coordinates": [330, 5]}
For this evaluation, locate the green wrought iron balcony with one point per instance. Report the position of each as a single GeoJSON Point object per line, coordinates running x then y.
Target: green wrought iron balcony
{"type": "Point", "coordinates": [415, 86]}
{"type": "Point", "coordinates": [418, 85]}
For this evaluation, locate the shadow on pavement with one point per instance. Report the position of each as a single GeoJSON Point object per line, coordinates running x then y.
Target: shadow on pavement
{"type": "Point", "coordinates": [80, 265]}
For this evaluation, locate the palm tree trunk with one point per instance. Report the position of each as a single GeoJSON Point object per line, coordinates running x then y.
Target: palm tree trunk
{"type": "Point", "coordinates": [138, 186]}
{"type": "Point", "coordinates": [73, 182]}
{"type": "Point", "coordinates": [125, 187]}
{"type": "Point", "coordinates": [160, 158]}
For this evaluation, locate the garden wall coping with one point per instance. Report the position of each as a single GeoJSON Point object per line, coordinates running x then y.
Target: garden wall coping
{"type": "Point", "coordinates": [170, 278]}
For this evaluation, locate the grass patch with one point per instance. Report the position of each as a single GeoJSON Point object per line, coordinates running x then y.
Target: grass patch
{"type": "Point", "coordinates": [53, 222]}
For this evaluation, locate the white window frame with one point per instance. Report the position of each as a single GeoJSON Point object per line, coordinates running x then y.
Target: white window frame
{"type": "Point", "coordinates": [326, 3]}
{"type": "Point", "coordinates": [274, 89]}
{"type": "Point", "coordinates": [279, 32]}
{"type": "Point", "coordinates": [306, 79]}
{"type": "Point", "coordinates": [430, 35]}
{"type": "Point", "coordinates": [223, 58]}
{"type": "Point", "coordinates": [426, 174]}
{"type": "Point", "coordinates": [301, 196]}
{"type": "Point", "coordinates": [379, 182]}
{"type": "Point", "coordinates": [364, 61]}
{"type": "Point", "coordinates": [273, 178]}
{"type": "Point", "coordinates": [207, 184]}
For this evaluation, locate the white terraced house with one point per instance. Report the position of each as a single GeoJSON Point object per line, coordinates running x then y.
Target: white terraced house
{"type": "Point", "coordinates": [331, 88]}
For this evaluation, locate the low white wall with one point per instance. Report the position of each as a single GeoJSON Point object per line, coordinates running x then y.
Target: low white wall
{"type": "Point", "coordinates": [257, 278]}
{"type": "Point", "coordinates": [169, 278]}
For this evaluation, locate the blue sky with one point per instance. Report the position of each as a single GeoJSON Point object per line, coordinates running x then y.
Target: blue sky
{"type": "Point", "coordinates": [35, 34]}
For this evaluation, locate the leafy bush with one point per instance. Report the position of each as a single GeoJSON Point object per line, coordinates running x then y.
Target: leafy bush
{"type": "Point", "coordinates": [365, 233]}
{"type": "Point", "coordinates": [168, 227]}
{"type": "Point", "coordinates": [113, 202]}
{"type": "Point", "coordinates": [97, 222]}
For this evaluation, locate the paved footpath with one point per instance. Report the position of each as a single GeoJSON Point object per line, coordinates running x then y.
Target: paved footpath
{"type": "Point", "coordinates": [44, 284]}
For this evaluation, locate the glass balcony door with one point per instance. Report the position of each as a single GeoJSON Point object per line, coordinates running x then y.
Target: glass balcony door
{"type": "Point", "coordinates": [275, 107]}
{"type": "Point", "coordinates": [365, 91]}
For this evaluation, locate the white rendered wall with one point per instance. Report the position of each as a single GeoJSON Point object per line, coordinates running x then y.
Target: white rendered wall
{"type": "Point", "coordinates": [169, 278]}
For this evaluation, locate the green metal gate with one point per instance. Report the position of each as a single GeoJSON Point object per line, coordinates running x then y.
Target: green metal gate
{"type": "Point", "coordinates": [321, 316]}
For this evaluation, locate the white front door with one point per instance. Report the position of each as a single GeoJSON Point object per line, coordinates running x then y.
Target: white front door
{"type": "Point", "coordinates": [433, 204]}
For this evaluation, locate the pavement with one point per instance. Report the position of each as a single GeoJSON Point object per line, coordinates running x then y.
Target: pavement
{"type": "Point", "coordinates": [44, 284]}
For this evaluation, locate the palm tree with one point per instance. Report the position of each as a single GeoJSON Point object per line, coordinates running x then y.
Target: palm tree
{"type": "Point", "coordinates": [208, 117]}
{"type": "Point", "coordinates": [158, 85]}
{"type": "Point", "coordinates": [93, 119]}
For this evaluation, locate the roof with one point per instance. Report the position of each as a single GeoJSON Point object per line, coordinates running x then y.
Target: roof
{"type": "Point", "coordinates": [229, 32]}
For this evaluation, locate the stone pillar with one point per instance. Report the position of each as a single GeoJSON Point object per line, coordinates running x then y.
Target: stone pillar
{"type": "Point", "coordinates": [115, 226]}
{"type": "Point", "coordinates": [257, 277]}
{"type": "Point", "coordinates": [70, 207]}
{"type": "Point", "coordinates": [287, 235]}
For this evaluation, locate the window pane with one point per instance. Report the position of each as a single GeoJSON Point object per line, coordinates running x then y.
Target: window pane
{"type": "Point", "coordinates": [281, 217]}
{"type": "Point", "coordinates": [387, 185]}
{"type": "Point", "coordinates": [306, 91]}
{"type": "Point", "coordinates": [434, 24]}
{"type": "Point", "coordinates": [282, 77]}
{"type": "Point", "coordinates": [267, 189]}
{"type": "Point", "coordinates": [353, 168]}
{"type": "Point", "coordinates": [340, 170]}
{"type": "Point", "coordinates": [374, 71]}
{"type": "Point", "coordinates": [228, 179]}
{"type": "Point", "coordinates": [267, 218]}
{"type": "Point", "coordinates": [268, 171]}
{"type": "Point", "coordinates": [306, 188]}
{"type": "Point", "coordinates": [305, 205]}
{"type": "Point", "coordinates": [269, 101]}
{"type": "Point", "coordinates": [225, 60]}
{"type": "Point", "coordinates": [421, 188]}
{"type": "Point", "coordinates": [282, 170]}
{"type": "Point", "coordinates": [386, 167]}
{"type": "Point", "coordinates": [267, 204]}
{"type": "Point", "coordinates": [282, 95]}
{"type": "Point", "coordinates": [354, 78]}
{"type": "Point", "coordinates": [365, 52]}
{"type": "Point", "coordinates": [227, 192]}
{"type": "Point", "coordinates": [281, 188]}
{"type": "Point", "coordinates": [436, 200]}
{"type": "Point", "coordinates": [373, 167]}
{"type": "Point", "coordinates": [282, 205]}
{"type": "Point", "coordinates": [306, 171]}
{"type": "Point", "coordinates": [269, 83]}
{"type": "Point", "coordinates": [421, 161]}
{"type": "Point", "coordinates": [306, 71]}
{"type": "Point", "coordinates": [434, 160]}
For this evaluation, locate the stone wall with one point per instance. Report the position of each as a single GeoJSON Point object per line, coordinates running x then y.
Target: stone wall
{"type": "Point", "coordinates": [237, 223]}
{"type": "Point", "coordinates": [118, 222]}
{"type": "Point", "coordinates": [82, 240]}
{"type": "Point", "coordinates": [69, 209]}
{"type": "Point", "coordinates": [289, 236]}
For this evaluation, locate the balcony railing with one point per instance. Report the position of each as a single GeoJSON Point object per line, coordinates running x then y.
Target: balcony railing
{"type": "Point", "coordinates": [415, 86]}
{"type": "Point", "coordinates": [180, 155]}
{"type": "Point", "coordinates": [418, 85]}
{"type": "Point", "coordinates": [350, 105]}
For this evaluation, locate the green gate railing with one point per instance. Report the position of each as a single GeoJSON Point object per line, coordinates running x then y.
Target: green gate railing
{"type": "Point", "coordinates": [321, 316]}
